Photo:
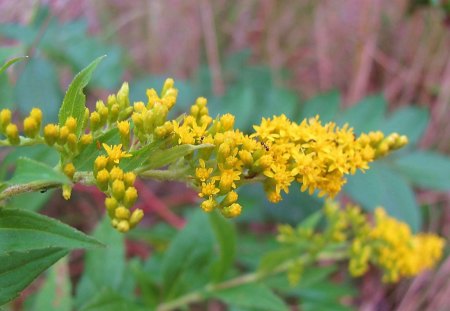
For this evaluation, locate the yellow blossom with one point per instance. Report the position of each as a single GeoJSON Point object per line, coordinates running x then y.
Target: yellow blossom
{"type": "Point", "coordinates": [115, 153]}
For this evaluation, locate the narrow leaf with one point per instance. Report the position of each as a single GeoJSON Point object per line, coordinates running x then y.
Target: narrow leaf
{"type": "Point", "coordinates": [74, 101]}
{"type": "Point", "coordinates": [18, 269]}
{"type": "Point", "coordinates": [165, 157]}
{"type": "Point", "coordinates": [32, 171]}
{"type": "Point", "coordinates": [22, 230]}
{"type": "Point", "coordinates": [10, 62]}
{"type": "Point", "coordinates": [139, 156]}
{"type": "Point", "coordinates": [108, 300]}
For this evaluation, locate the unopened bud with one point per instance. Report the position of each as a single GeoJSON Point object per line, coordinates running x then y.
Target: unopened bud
{"type": "Point", "coordinates": [69, 170]}
{"type": "Point", "coordinates": [136, 217]}
{"type": "Point", "coordinates": [13, 134]}
{"type": "Point", "coordinates": [130, 196]}
{"type": "Point", "coordinates": [51, 133]}
{"type": "Point", "coordinates": [30, 127]}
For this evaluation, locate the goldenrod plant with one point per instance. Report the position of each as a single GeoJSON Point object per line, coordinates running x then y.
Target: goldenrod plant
{"type": "Point", "coordinates": [120, 141]}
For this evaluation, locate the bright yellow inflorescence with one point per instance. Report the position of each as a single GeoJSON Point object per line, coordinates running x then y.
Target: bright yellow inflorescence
{"type": "Point", "coordinates": [385, 242]}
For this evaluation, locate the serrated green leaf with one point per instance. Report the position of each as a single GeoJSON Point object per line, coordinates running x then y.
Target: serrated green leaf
{"type": "Point", "coordinates": [379, 186]}
{"type": "Point", "coordinates": [18, 269]}
{"type": "Point", "coordinates": [225, 234]}
{"type": "Point", "coordinates": [254, 296]}
{"type": "Point", "coordinates": [410, 121]}
{"type": "Point", "coordinates": [366, 115]}
{"type": "Point", "coordinates": [74, 101]}
{"type": "Point", "coordinates": [425, 169]}
{"type": "Point", "coordinates": [326, 105]}
{"type": "Point", "coordinates": [108, 300]}
{"type": "Point", "coordinates": [55, 293]}
{"type": "Point", "coordinates": [22, 230]}
{"type": "Point", "coordinates": [162, 158]}
{"type": "Point", "coordinates": [187, 258]}
{"type": "Point", "coordinates": [32, 171]}
{"type": "Point", "coordinates": [10, 62]}
{"type": "Point", "coordinates": [85, 160]}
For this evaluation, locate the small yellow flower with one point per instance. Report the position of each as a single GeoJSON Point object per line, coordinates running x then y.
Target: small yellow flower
{"type": "Point", "coordinates": [115, 153]}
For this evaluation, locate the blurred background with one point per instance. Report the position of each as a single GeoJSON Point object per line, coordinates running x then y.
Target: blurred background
{"type": "Point", "coordinates": [376, 64]}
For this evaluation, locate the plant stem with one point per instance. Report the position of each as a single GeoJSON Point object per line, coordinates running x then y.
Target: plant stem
{"type": "Point", "coordinates": [249, 278]}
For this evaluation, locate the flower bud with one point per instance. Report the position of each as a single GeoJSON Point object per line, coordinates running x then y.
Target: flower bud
{"type": "Point", "coordinates": [100, 163]}
{"type": "Point", "coordinates": [63, 133]}
{"type": "Point", "coordinates": [102, 179]}
{"type": "Point", "coordinates": [168, 84]}
{"type": "Point", "coordinates": [13, 134]}
{"type": "Point", "coordinates": [72, 142]}
{"type": "Point", "coordinates": [122, 213]}
{"type": "Point", "coordinates": [136, 217]}
{"type": "Point", "coordinates": [232, 211]}
{"type": "Point", "coordinates": [129, 179]}
{"type": "Point", "coordinates": [111, 101]}
{"type": "Point", "coordinates": [5, 118]}
{"type": "Point", "coordinates": [51, 133]}
{"type": "Point", "coordinates": [86, 139]}
{"type": "Point", "coordinates": [116, 173]}
{"type": "Point", "coordinates": [139, 107]}
{"type": "Point", "coordinates": [227, 121]}
{"type": "Point", "coordinates": [246, 157]}
{"type": "Point", "coordinates": [113, 113]}
{"type": "Point", "coordinates": [229, 199]}
{"type": "Point", "coordinates": [201, 102]}
{"type": "Point", "coordinates": [71, 124]}
{"type": "Point", "coordinates": [95, 121]}
{"type": "Point", "coordinates": [36, 114]}
{"type": "Point", "coordinates": [208, 205]}
{"type": "Point", "coordinates": [66, 191]}
{"type": "Point", "coordinates": [123, 226]}
{"type": "Point", "coordinates": [69, 170]}
{"type": "Point", "coordinates": [130, 196]}
{"type": "Point", "coordinates": [30, 127]}
{"type": "Point", "coordinates": [122, 96]}
{"type": "Point", "coordinates": [111, 204]}
{"type": "Point", "coordinates": [118, 189]}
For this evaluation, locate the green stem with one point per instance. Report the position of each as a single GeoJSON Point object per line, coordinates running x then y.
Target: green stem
{"type": "Point", "coordinates": [204, 293]}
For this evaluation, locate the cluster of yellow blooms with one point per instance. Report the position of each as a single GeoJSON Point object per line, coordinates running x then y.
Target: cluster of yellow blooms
{"type": "Point", "coordinates": [278, 153]}
{"type": "Point", "coordinates": [386, 242]}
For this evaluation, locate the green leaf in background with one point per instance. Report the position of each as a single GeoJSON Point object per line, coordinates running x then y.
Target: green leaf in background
{"type": "Point", "coordinates": [22, 230]}
{"type": "Point", "coordinates": [31, 201]}
{"type": "Point", "coordinates": [140, 156]}
{"type": "Point", "coordinates": [104, 268]}
{"type": "Point", "coordinates": [10, 62]}
{"type": "Point", "coordinates": [162, 158]}
{"type": "Point", "coordinates": [85, 160]}
{"type": "Point", "coordinates": [253, 296]}
{"type": "Point", "coordinates": [326, 105]}
{"type": "Point", "coordinates": [273, 259]}
{"type": "Point", "coordinates": [379, 186]}
{"type": "Point", "coordinates": [108, 300]}
{"type": "Point", "coordinates": [74, 101]}
{"type": "Point", "coordinates": [55, 293]}
{"type": "Point", "coordinates": [425, 169]}
{"type": "Point", "coordinates": [18, 269]}
{"type": "Point", "coordinates": [38, 86]}
{"type": "Point", "coordinates": [185, 263]}
{"type": "Point", "coordinates": [366, 115]}
{"type": "Point", "coordinates": [32, 171]}
{"type": "Point", "coordinates": [225, 234]}
{"type": "Point", "coordinates": [409, 121]}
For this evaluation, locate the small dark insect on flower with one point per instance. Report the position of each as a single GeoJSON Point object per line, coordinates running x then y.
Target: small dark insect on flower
{"type": "Point", "coordinates": [201, 139]}
{"type": "Point", "coordinates": [265, 146]}
{"type": "Point", "coordinates": [99, 145]}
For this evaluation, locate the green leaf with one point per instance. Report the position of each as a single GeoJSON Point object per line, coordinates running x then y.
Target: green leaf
{"type": "Point", "coordinates": [186, 260]}
{"type": "Point", "coordinates": [425, 169]}
{"type": "Point", "coordinates": [140, 156]}
{"type": "Point", "coordinates": [162, 158]}
{"type": "Point", "coordinates": [254, 296]}
{"type": "Point", "coordinates": [18, 269]}
{"type": "Point", "coordinates": [31, 201]}
{"type": "Point", "coordinates": [108, 300]}
{"type": "Point", "coordinates": [274, 258]}
{"type": "Point", "coordinates": [326, 105]}
{"type": "Point", "coordinates": [365, 116]}
{"type": "Point", "coordinates": [379, 186]}
{"type": "Point", "coordinates": [38, 86]}
{"type": "Point", "coordinates": [10, 62]}
{"type": "Point", "coordinates": [311, 221]}
{"type": "Point", "coordinates": [55, 294]}
{"type": "Point", "coordinates": [31, 171]}
{"type": "Point", "coordinates": [85, 160]}
{"type": "Point", "coordinates": [74, 101]}
{"type": "Point", "coordinates": [22, 230]}
{"type": "Point", "coordinates": [225, 234]}
{"type": "Point", "coordinates": [105, 267]}
{"type": "Point", "coordinates": [410, 121]}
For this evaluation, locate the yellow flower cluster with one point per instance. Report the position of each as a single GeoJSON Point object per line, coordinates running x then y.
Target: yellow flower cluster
{"type": "Point", "coordinates": [386, 243]}
{"type": "Point", "coordinates": [277, 154]}
{"type": "Point", "coordinates": [118, 186]}
{"type": "Point", "coordinates": [391, 246]}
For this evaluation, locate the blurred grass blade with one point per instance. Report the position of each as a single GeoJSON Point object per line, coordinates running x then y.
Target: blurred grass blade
{"type": "Point", "coordinates": [12, 61]}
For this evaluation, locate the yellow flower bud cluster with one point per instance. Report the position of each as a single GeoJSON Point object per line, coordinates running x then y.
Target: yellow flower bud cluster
{"type": "Point", "coordinates": [382, 145]}
{"type": "Point", "coordinates": [119, 188]}
{"type": "Point", "coordinates": [8, 128]}
{"type": "Point", "coordinates": [386, 243]}
{"type": "Point", "coordinates": [150, 120]}
{"type": "Point", "coordinates": [66, 136]}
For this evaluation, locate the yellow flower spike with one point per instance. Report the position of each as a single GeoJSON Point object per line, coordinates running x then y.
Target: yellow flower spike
{"type": "Point", "coordinates": [129, 179]}
{"type": "Point", "coordinates": [115, 153]}
{"type": "Point", "coordinates": [123, 226]}
{"type": "Point", "coordinates": [5, 118]}
{"type": "Point", "coordinates": [69, 170]}
{"type": "Point", "coordinates": [208, 205]}
{"type": "Point", "coordinates": [116, 173]}
{"type": "Point", "coordinates": [232, 211]}
{"type": "Point", "coordinates": [136, 217]}
{"type": "Point", "coordinates": [51, 134]}
{"type": "Point", "coordinates": [30, 127]}
{"type": "Point", "coordinates": [130, 196]}
{"type": "Point", "coordinates": [118, 189]}
{"type": "Point", "coordinates": [122, 212]}
{"type": "Point", "coordinates": [12, 133]}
